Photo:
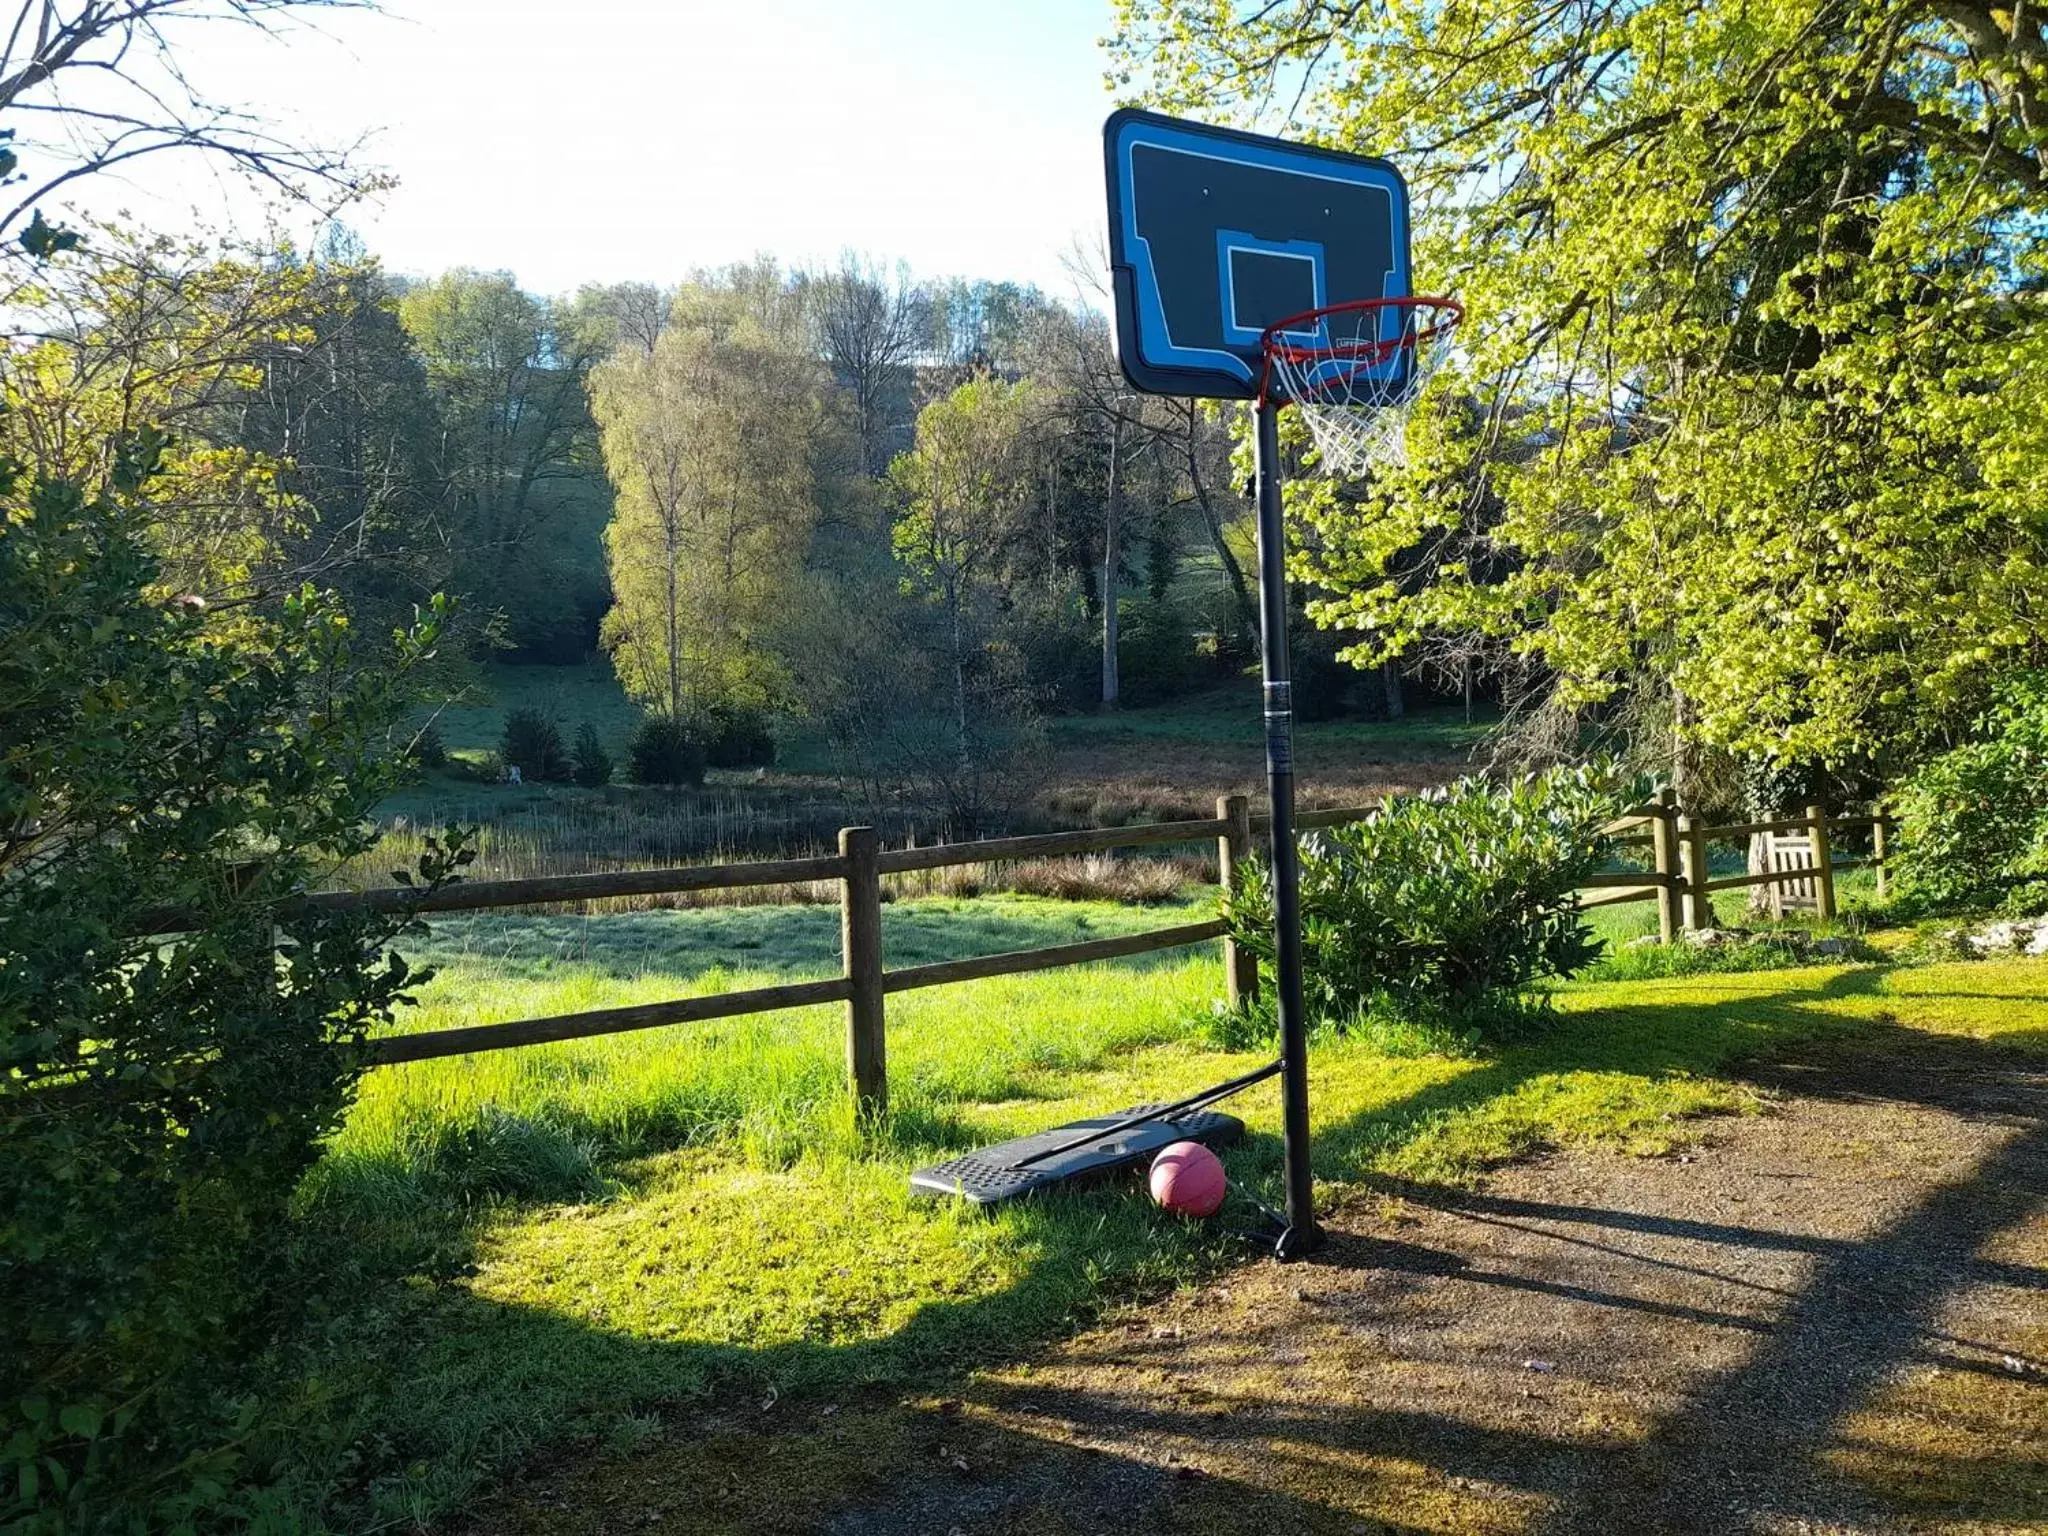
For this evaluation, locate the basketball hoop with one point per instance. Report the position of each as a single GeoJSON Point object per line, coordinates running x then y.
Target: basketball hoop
{"type": "Point", "coordinates": [1354, 371]}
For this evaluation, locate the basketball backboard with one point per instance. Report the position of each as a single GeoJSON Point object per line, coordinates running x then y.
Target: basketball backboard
{"type": "Point", "coordinates": [1214, 235]}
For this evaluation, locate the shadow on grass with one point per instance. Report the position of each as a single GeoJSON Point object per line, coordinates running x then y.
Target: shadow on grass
{"type": "Point", "coordinates": [466, 1384]}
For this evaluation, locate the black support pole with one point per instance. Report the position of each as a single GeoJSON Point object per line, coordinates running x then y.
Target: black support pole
{"type": "Point", "coordinates": [1302, 1234]}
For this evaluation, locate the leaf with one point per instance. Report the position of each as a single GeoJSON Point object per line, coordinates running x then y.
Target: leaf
{"type": "Point", "coordinates": [43, 239]}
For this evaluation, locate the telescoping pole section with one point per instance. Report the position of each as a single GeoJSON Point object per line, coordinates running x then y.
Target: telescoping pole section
{"type": "Point", "coordinates": [1301, 1235]}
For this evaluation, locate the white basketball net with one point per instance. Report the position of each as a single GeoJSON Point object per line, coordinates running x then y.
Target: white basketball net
{"type": "Point", "coordinates": [1354, 373]}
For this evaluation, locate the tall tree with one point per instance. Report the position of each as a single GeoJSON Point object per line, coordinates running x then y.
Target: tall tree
{"type": "Point", "coordinates": [1759, 350]}
{"type": "Point", "coordinates": [347, 416]}
{"type": "Point", "coordinates": [710, 439]}
{"type": "Point", "coordinates": [962, 490]}
{"type": "Point", "coordinates": [514, 449]}
{"type": "Point", "coordinates": [870, 323]}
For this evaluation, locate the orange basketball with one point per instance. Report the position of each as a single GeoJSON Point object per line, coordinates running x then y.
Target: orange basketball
{"type": "Point", "coordinates": [1188, 1179]}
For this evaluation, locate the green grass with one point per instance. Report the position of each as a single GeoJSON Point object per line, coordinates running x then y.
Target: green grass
{"type": "Point", "coordinates": [601, 1228]}
{"type": "Point", "coordinates": [1231, 714]}
{"type": "Point", "coordinates": [589, 691]}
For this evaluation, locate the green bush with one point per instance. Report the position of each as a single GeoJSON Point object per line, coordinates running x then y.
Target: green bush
{"type": "Point", "coordinates": [734, 736]}
{"type": "Point", "coordinates": [1443, 908]}
{"type": "Point", "coordinates": [590, 764]}
{"type": "Point", "coordinates": [664, 751]}
{"type": "Point", "coordinates": [1157, 656]}
{"type": "Point", "coordinates": [533, 744]}
{"type": "Point", "coordinates": [1973, 823]}
{"type": "Point", "coordinates": [429, 750]}
{"type": "Point", "coordinates": [169, 1061]}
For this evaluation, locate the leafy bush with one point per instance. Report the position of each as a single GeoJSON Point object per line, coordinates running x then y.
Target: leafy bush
{"type": "Point", "coordinates": [591, 765]}
{"type": "Point", "coordinates": [533, 744]}
{"type": "Point", "coordinates": [169, 1062]}
{"type": "Point", "coordinates": [1973, 822]}
{"type": "Point", "coordinates": [429, 750]}
{"type": "Point", "coordinates": [734, 736]}
{"type": "Point", "coordinates": [663, 751]}
{"type": "Point", "coordinates": [1443, 907]}
{"type": "Point", "coordinates": [1157, 657]}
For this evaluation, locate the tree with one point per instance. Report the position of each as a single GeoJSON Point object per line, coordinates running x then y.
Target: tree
{"type": "Point", "coordinates": [514, 449]}
{"type": "Point", "coordinates": [614, 315]}
{"type": "Point", "coordinates": [962, 489]}
{"type": "Point", "coordinates": [710, 439]}
{"type": "Point", "coordinates": [347, 416]}
{"type": "Point", "coordinates": [166, 767]}
{"type": "Point", "coordinates": [869, 326]}
{"type": "Point", "coordinates": [122, 57]}
{"type": "Point", "coordinates": [1759, 371]}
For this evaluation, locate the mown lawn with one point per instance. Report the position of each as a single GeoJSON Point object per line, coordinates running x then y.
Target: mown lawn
{"type": "Point", "coordinates": [600, 1229]}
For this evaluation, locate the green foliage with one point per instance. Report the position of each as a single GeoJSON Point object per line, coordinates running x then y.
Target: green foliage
{"type": "Point", "coordinates": [1156, 651]}
{"type": "Point", "coordinates": [590, 765]}
{"type": "Point", "coordinates": [1750, 414]}
{"type": "Point", "coordinates": [665, 751]}
{"type": "Point", "coordinates": [735, 737]}
{"type": "Point", "coordinates": [713, 437]}
{"type": "Point", "coordinates": [429, 749]}
{"type": "Point", "coordinates": [173, 1048]}
{"type": "Point", "coordinates": [1974, 821]}
{"type": "Point", "coordinates": [532, 743]}
{"type": "Point", "coordinates": [1441, 908]}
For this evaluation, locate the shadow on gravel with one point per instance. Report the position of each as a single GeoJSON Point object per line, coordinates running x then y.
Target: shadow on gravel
{"type": "Point", "coordinates": [1752, 1440]}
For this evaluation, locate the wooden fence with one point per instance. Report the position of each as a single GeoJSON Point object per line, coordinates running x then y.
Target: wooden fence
{"type": "Point", "coordinates": [1677, 881]}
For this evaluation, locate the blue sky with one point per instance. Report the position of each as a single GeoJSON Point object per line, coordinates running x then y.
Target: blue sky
{"type": "Point", "coordinates": [582, 140]}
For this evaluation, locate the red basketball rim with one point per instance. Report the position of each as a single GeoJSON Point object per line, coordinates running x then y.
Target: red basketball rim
{"type": "Point", "coordinates": [1444, 315]}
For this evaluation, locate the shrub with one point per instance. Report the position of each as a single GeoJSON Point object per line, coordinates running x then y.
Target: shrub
{"type": "Point", "coordinates": [1444, 907]}
{"type": "Point", "coordinates": [591, 765]}
{"type": "Point", "coordinates": [162, 1092]}
{"type": "Point", "coordinates": [1157, 657]}
{"type": "Point", "coordinates": [663, 751]}
{"type": "Point", "coordinates": [1973, 822]}
{"type": "Point", "coordinates": [734, 736]}
{"type": "Point", "coordinates": [533, 743]}
{"type": "Point", "coordinates": [429, 750]}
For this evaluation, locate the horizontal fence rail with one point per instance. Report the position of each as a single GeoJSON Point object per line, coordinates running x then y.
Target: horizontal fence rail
{"type": "Point", "coordinates": [475, 896]}
{"type": "Point", "coordinates": [605, 1021]}
{"type": "Point", "coordinates": [1012, 962]}
{"type": "Point", "coordinates": [1678, 882]}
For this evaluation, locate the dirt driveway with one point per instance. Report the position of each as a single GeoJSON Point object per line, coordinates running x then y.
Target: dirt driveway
{"type": "Point", "coordinates": [1828, 1318]}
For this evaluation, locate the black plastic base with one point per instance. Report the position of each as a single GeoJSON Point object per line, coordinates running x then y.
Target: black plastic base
{"type": "Point", "coordinates": [990, 1176]}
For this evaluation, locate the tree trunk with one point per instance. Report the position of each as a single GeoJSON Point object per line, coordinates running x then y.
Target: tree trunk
{"type": "Point", "coordinates": [1240, 590]}
{"type": "Point", "coordinates": [1112, 572]}
{"type": "Point", "coordinates": [1681, 721]}
{"type": "Point", "coordinates": [963, 755]}
{"type": "Point", "coordinates": [1390, 680]}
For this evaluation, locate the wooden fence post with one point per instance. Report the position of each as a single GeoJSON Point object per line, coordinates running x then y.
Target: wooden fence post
{"type": "Point", "coordinates": [1692, 853]}
{"type": "Point", "coordinates": [860, 942]}
{"type": "Point", "coordinates": [1823, 863]}
{"type": "Point", "coordinates": [1664, 853]}
{"type": "Point", "coordinates": [1880, 838]}
{"type": "Point", "coordinates": [1240, 968]}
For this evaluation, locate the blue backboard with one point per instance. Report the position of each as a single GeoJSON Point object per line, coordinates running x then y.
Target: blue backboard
{"type": "Point", "coordinates": [1214, 235]}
